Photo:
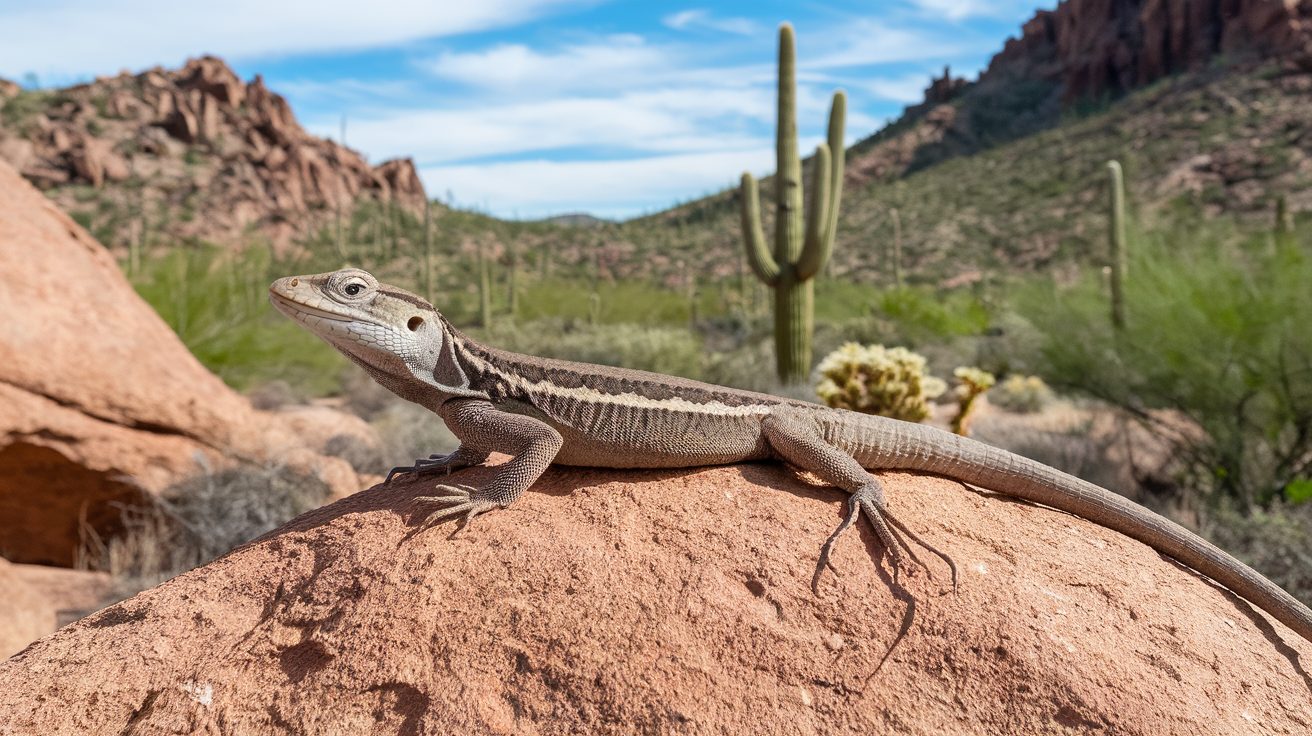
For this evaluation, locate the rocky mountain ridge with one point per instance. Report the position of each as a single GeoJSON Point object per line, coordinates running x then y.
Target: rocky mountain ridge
{"type": "Point", "coordinates": [1084, 52]}
{"type": "Point", "coordinates": [194, 154]}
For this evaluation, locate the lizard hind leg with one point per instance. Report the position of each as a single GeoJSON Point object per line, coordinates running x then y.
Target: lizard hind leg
{"type": "Point", "coordinates": [868, 500]}
{"type": "Point", "coordinates": [797, 439]}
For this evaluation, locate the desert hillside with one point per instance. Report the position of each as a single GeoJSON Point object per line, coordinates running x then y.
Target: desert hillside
{"type": "Point", "coordinates": [194, 154]}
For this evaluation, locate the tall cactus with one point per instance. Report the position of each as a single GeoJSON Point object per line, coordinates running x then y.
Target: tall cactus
{"type": "Point", "coordinates": [426, 266]}
{"type": "Point", "coordinates": [484, 287]}
{"type": "Point", "coordinates": [800, 248]}
{"type": "Point", "coordinates": [1116, 240]}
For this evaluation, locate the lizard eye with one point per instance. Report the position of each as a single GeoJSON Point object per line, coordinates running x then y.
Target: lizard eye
{"type": "Point", "coordinates": [353, 289]}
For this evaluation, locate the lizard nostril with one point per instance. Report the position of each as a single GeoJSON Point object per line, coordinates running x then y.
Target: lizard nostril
{"type": "Point", "coordinates": [295, 283]}
{"type": "Point", "coordinates": [415, 323]}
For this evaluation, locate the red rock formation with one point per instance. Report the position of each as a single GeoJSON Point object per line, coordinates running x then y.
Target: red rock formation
{"type": "Point", "coordinates": [670, 602]}
{"type": "Point", "coordinates": [37, 600]}
{"type": "Point", "coordinates": [197, 138]}
{"type": "Point", "coordinates": [1093, 47]}
{"type": "Point", "coordinates": [100, 403]}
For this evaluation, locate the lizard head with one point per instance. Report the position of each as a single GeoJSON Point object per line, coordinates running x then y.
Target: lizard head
{"type": "Point", "coordinates": [379, 326]}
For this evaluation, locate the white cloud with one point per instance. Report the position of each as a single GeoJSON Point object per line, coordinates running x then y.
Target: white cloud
{"type": "Point", "coordinates": [597, 65]}
{"type": "Point", "coordinates": [655, 120]}
{"type": "Point", "coordinates": [956, 10]}
{"type": "Point", "coordinates": [908, 89]}
{"type": "Point", "coordinates": [701, 18]}
{"type": "Point", "coordinates": [611, 188]}
{"type": "Point", "coordinates": [71, 38]}
{"type": "Point", "coordinates": [865, 42]}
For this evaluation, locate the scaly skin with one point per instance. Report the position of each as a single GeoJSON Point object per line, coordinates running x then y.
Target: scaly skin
{"type": "Point", "coordinates": [541, 411]}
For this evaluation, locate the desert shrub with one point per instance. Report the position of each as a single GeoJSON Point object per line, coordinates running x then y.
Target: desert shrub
{"type": "Point", "coordinates": [199, 519]}
{"type": "Point", "coordinates": [1022, 394]}
{"type": "Point", "coordinates": [217, 303]}
{"type": "Point", "coordinates": [1277, 541]}
{"type": "Point", "coordinates": [1216, 333]}
{"type": "Point", "coordinates": [891, 382]}
{"type": "Point", "coordinates": [915, 316]}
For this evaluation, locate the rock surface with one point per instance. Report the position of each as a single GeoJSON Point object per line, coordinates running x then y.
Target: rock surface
{"type": "Point", "coordinates": [670, 602]}
{"type": "Point", "coordinates": [1094, 47]}
{"type": "Point", "coordinates": [1082, 50]}
{"type": "Point", "coordinates": [100, 403]}
{"type": "Point", "coordinates": [35, 600]}
{"type": "Point", "coordinates": [197, 140]}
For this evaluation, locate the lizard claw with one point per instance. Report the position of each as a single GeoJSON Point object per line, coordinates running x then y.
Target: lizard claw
{"type": "Point", "coordinates": [870, 499]}
{"type": "Point", "coordinates": [430, 465]}
{"type": "Point", "coordinates": [457, 500]}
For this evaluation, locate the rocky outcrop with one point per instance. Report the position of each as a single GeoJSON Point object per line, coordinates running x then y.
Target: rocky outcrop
{"type": "Point", "coordinates": [1083, 49]}
{"type": "Point", "coordinates": [1097, 47]}
{"type": "Point", "coordinates": [670, 601]}
{"type": "Point", "coordinates": [37, 600]}
{"type": "Point", "coordinates": [200, 141]}
{"type": "Point", "coordinates": [100, 404]}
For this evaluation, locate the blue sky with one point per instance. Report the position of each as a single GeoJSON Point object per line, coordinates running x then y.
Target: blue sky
{"type": "Point", "coordinates": [528, 108]}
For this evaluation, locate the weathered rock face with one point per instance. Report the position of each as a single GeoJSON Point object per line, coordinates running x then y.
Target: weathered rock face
{"type": "Point", "coordinates": [1083, 49]}
{"type": "Point", "coordinates": [100, 402]}
{"type": "Point", "coordinates": [670, 601]}
{"type": "Point", "coordinates": [36, 600]}
{"type": "Point", "coordinates": [198, 140]}
{"type": "Point", "coordinates": [1093, 47]}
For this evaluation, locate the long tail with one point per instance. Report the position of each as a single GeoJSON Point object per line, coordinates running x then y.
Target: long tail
{"type": "Point", "coordinates": [880, 443]}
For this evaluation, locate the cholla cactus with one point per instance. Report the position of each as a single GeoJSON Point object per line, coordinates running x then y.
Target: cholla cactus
{"type": "Point", "coordinates": [891, 382]}
{"type": "Point", "coordinates": [1023, 394]}
{"type": "Point", "coordinates": [974, 382]}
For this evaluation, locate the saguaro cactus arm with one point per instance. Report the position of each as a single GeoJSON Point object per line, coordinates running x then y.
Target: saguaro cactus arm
{"type": "Point", "coordinates": [822, 217]}
{"type": "Point", "coordinates": [762, 263]}
{"type": "Point", "coordinates": [816, 248]}
{"type": "Point", "coordinates": [838, 161]}
{"type": "Point", "coordinates": [1116, 236]}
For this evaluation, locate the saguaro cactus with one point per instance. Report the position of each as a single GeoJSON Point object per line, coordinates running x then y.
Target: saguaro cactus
{"type": "Point", "coordinates": [1116, 241]}
{"type": "Point", "coordinates": [426, 259]}
{"type": "Point", "coordinates": [800, 248]}
{"type": "Point", "coordinates": [484, 287]}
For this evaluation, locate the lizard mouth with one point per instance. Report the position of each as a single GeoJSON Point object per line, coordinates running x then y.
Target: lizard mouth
{"type": "Point", "coordinates": [296, 309]}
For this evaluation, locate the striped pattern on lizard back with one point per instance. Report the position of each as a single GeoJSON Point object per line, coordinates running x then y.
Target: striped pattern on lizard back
{"type": "Point", "coordinates": [617, 418]}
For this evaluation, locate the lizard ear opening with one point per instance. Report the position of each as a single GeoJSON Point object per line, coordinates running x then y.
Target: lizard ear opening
{"type": "Point", "coordinates": [415, 323]}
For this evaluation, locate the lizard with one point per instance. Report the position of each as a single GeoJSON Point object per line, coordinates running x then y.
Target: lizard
{"type": "Point", "coordinates": [542, 411]}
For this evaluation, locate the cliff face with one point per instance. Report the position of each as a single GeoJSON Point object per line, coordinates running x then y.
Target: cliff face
{"type": "Point", "coordinates": [1096, 47]}
{"type": "Point", "coordinates": [1085, 49]}
{"type": "Point", "coordinates": [189, 154]}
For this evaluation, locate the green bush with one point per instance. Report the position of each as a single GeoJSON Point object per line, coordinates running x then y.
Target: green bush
{"type": "Point", "coordinates": [1215, 356]}
{"type": "Point", "coordinates": [217, 303]}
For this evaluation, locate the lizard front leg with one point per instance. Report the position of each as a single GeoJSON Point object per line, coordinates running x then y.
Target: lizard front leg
{"type": "Point", "coordinates": [483, 428]}
{"type": "Point", "coordinates": [797, 439]}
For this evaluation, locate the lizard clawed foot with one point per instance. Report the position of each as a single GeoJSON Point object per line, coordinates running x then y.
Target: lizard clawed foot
{"type": "Point", "coordinates": [458, 500]}
{"type": "Point", "coordinates": [870, 499]}
{"type": "Point", "coordinates": [431, 465]}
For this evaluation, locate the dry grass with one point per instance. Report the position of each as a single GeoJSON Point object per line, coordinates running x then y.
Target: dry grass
{"type": "Point", "coordinates": [198, 520]}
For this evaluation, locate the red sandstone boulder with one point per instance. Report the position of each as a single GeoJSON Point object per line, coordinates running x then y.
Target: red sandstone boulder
{"type": "Point", "coordinates": [670, 601]}
{"type": "Point", "coordinates": [35, 600]}
{"type": "Point", "coordinates": [100, 403]}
